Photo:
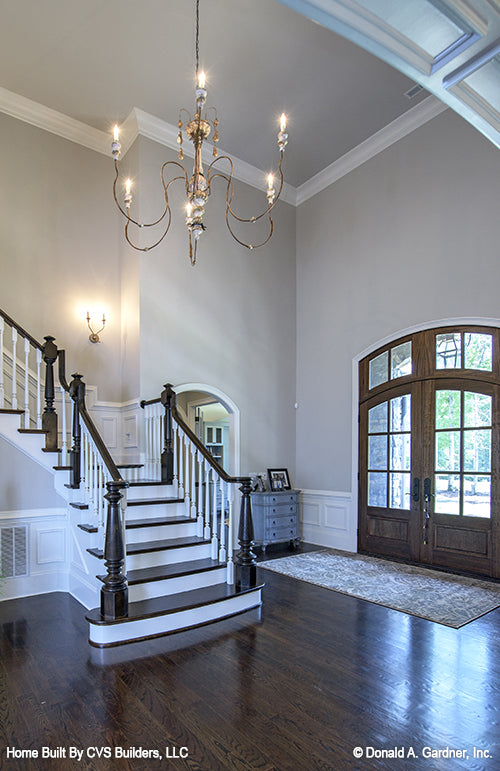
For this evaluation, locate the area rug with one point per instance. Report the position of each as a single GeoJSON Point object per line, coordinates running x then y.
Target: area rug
{"type": "Point", "coordinates": [441, 597]}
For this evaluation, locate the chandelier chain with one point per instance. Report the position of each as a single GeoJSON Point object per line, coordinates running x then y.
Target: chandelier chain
{"type": "Point", "coordinates": [197, 47]}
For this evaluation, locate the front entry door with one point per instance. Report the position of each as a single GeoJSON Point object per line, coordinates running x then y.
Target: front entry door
{"type": "Point", "coordinates": [390, 473]}
{"type": "Point", "coordinates": [460, 468]}
{"type": "Point", "coordinates": [429, 463]}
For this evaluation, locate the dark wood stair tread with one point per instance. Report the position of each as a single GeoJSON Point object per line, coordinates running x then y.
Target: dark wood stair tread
{"type": "Point", "coordinates": [150, 546]}
{"type": "Point", "coordinates": [157, 521]}
{"type": "Point", "coordinates": [33, 431]}
{"type": "Point", "coordinates": [80, 506]}
{"type": "Point", "coordinates": [62, 468]}
{"type": "Point", "coordinates": [148, 483]}
{"type": "Point", "coordinates": [88, 528]}
{"type": "Point", "coordinates": [153, 501]}
{"type": "Point", "coordinates": [5, 411]}
{"type": "Point", "coordinates": [188, 568]}
{"type": "Point", "coordinates": [129, 465]}
{"type": "Point", "coordinates": [159, 606]}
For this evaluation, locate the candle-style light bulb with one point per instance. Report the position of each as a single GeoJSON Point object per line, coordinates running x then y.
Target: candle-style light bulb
{"type": "Point", "coordinates": [128, 195]}
{"type": "Point", "coordinates": [116, 134]}
{"type": "Point", "coordinates": [201, 80]}
{"type": "Point", "coordinates": [270, 181]}
{"type": "Point", "coordinates": [283, 122]}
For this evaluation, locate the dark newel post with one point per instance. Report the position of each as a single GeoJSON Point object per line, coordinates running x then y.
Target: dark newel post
{"type": "Point", "coordinates": [167, 456]}
{"type": "Point", "coordinates": [49, 416]}
{"type": "Point", "coordinates": [246, 566]}
{"type": "Point", "coordinates": [77, 393]}
{"type": "Point", "coordinates": [114, 592]}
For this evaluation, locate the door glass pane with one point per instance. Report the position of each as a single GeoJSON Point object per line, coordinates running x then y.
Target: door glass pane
{"type": "Point", "coordinates": [447, 409]}
{"type": "Point", "coordinates": [477, 450]}
{"type": "Point", "coordinates": [401, 360]}
{"type": "Point", "coordinates": [400, 452]}
{"type": "Point", "coordinates": [379, 370]}
{"type": "Point", "coordinates": [478, 351]}
{"type": "Point", "coordinates": [401, 413]}
{"type": "Point", "coordinates": [447, 494]}
{"type": "Point", "coordinates": [377, 452]}
{"type": "Point", "coordinates": [448, 450]}
{"type": "Point", "coordinates": [377, 489]}
{"type": "Point", "coordinates": [400, 491]}
{"type": "Point", "coordinates": [377, 418]}
{"type": "Point", "coordinates": [477, 496]}
{"type": "Point", "coordinates": [449, 350]}
{"type": "Point", "coordinates": [477, 410]}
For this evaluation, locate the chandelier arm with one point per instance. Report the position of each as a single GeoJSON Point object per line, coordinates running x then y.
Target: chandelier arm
{"type": "Point", "coordinates": [152, 246]}
{"type": "Point", "coordinates": [229, 197]}
{"type": "Point", "coordinates": [239, 241]}
{"type": "Point", "coordinates": [228, 202]}
{"type": "Point", "coordinates": [183, 176]}
{"type": "Point", "coordinates": [127, 215]}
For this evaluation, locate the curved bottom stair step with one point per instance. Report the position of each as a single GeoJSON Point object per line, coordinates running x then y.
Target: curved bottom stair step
{"type": "Point", "coordinates": [164, 615]}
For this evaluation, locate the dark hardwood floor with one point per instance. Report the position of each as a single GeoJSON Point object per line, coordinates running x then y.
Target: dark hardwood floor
{"type": "Point", "coordinates": [317, 676]}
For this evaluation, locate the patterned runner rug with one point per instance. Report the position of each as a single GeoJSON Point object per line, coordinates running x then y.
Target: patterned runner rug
{"type": "Point", "coordinates": [441, 597]}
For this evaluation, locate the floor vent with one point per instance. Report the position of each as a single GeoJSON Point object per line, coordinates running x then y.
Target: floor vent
{"type": "Point", "coordinates": [14, 551]}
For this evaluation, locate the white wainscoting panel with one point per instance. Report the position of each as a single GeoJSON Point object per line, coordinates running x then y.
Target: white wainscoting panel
{"type": "Point", "coordinates": [327, 519]}
{"type": "Point", "coordinates": [47, 568]}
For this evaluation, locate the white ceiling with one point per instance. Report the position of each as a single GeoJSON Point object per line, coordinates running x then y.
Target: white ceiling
{"type": "Point", "coordinates": [94, 61]}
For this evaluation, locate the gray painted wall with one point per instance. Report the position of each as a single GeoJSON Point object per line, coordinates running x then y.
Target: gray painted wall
{"type": "Point", "coordinates": [24, 484]}
{"type": "Point", "coordinates": [229, 322]}
{"type": "Point", "coordinates": [411, 236]}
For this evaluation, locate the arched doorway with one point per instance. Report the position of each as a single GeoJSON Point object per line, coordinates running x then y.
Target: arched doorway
{"type": "Point", "coordinates": [429, 433]}
{"type": "Point", "coordinates": [215, 418]}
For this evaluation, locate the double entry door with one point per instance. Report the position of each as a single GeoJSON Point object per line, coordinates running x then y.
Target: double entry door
{"type": "Point", "coordinates": [428, 474]}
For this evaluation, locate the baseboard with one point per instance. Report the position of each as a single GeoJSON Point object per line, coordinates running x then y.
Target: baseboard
{"type": "Point", "coordinates": [327, 519]}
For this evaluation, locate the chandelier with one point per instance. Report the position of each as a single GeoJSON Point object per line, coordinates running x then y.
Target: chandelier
{"type": "Point", "coordinates": [198, 186]}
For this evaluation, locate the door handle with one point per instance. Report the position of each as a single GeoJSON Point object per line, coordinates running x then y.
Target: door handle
{"type": "Point", "coordinates": [416, 489]}
{"type": "Point", "coordinates": [427, 515]}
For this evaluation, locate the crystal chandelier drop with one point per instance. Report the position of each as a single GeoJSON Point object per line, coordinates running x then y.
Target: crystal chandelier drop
{"type": "Point", "coordinates": [197, 128]}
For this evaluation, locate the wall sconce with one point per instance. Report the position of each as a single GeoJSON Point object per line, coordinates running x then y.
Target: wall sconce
{"type": "Point", "coordinates": [94, 336]}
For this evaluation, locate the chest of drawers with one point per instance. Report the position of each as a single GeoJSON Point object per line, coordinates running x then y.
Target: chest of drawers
{"type": "Point", "coordinates": [275, 517]}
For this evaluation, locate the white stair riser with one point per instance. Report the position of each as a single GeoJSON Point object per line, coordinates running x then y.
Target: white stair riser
{"type": "Point", "coordinates": [169, 586]}
{"type": "Point", "coordinates": [160, 532]}
{"type": "Point", "coordinates": [151, 627]}
{"type": "Point", "coordinates": [150, 492]}
{"type": "Point", "coordinates": [148, 511]}
{"type": "Point", "coordinates": [168, 556]}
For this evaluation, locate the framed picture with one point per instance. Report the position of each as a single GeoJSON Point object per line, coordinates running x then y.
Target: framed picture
{"type": "Point", "coordinates": [278, 479]}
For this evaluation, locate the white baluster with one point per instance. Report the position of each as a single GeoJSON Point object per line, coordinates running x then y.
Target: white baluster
{"type": "Point", "coordinates": [187, 491]}
{"type": "Point", "coordinates": [200, 497]}
{"type": "Point", "coordinates": [181, 466]}
{"type": "Point", "coordinates": [2, 390]}
{"type": "Point", "coordinates": [176, 461]}
{"type": "Point", "coordinates": [14, 369]}
{"type": "Point", "coordinates": [207, 534]}
{"type": "Point", "coordinates": [193, 483]}
{"type": "Point", "coordinates": [215, 545]}
{"type": "Point", "coordinates": [38, 389]}
{"type": "Point", "coordinates": [64, 442]}
{"type": "Point", "coordinates": [222, 545]}
{"type": "Point", "coordinates": [230, 535]}
{"type": "Point", "coordinates": [26, 383]}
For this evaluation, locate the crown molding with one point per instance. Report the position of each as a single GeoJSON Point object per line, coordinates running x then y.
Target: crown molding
{"type": "Point", "coordinates": [140, 123]}
{"type": "Point", "coordinates": [399, 128]}
{"type": "Point", "coordinates": [55, 122]}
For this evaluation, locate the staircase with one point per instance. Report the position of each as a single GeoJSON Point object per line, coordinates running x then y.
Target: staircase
{"type": "Point", "coordinates": [161, 548]}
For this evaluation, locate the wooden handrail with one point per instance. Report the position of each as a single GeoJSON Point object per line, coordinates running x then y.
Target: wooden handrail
{"type": "Point", "coordinates": [22, 331]}
{"type": "Point", "coordinates": [89, 423]}
{"type": "Point", "coordinates": [198, 444]}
